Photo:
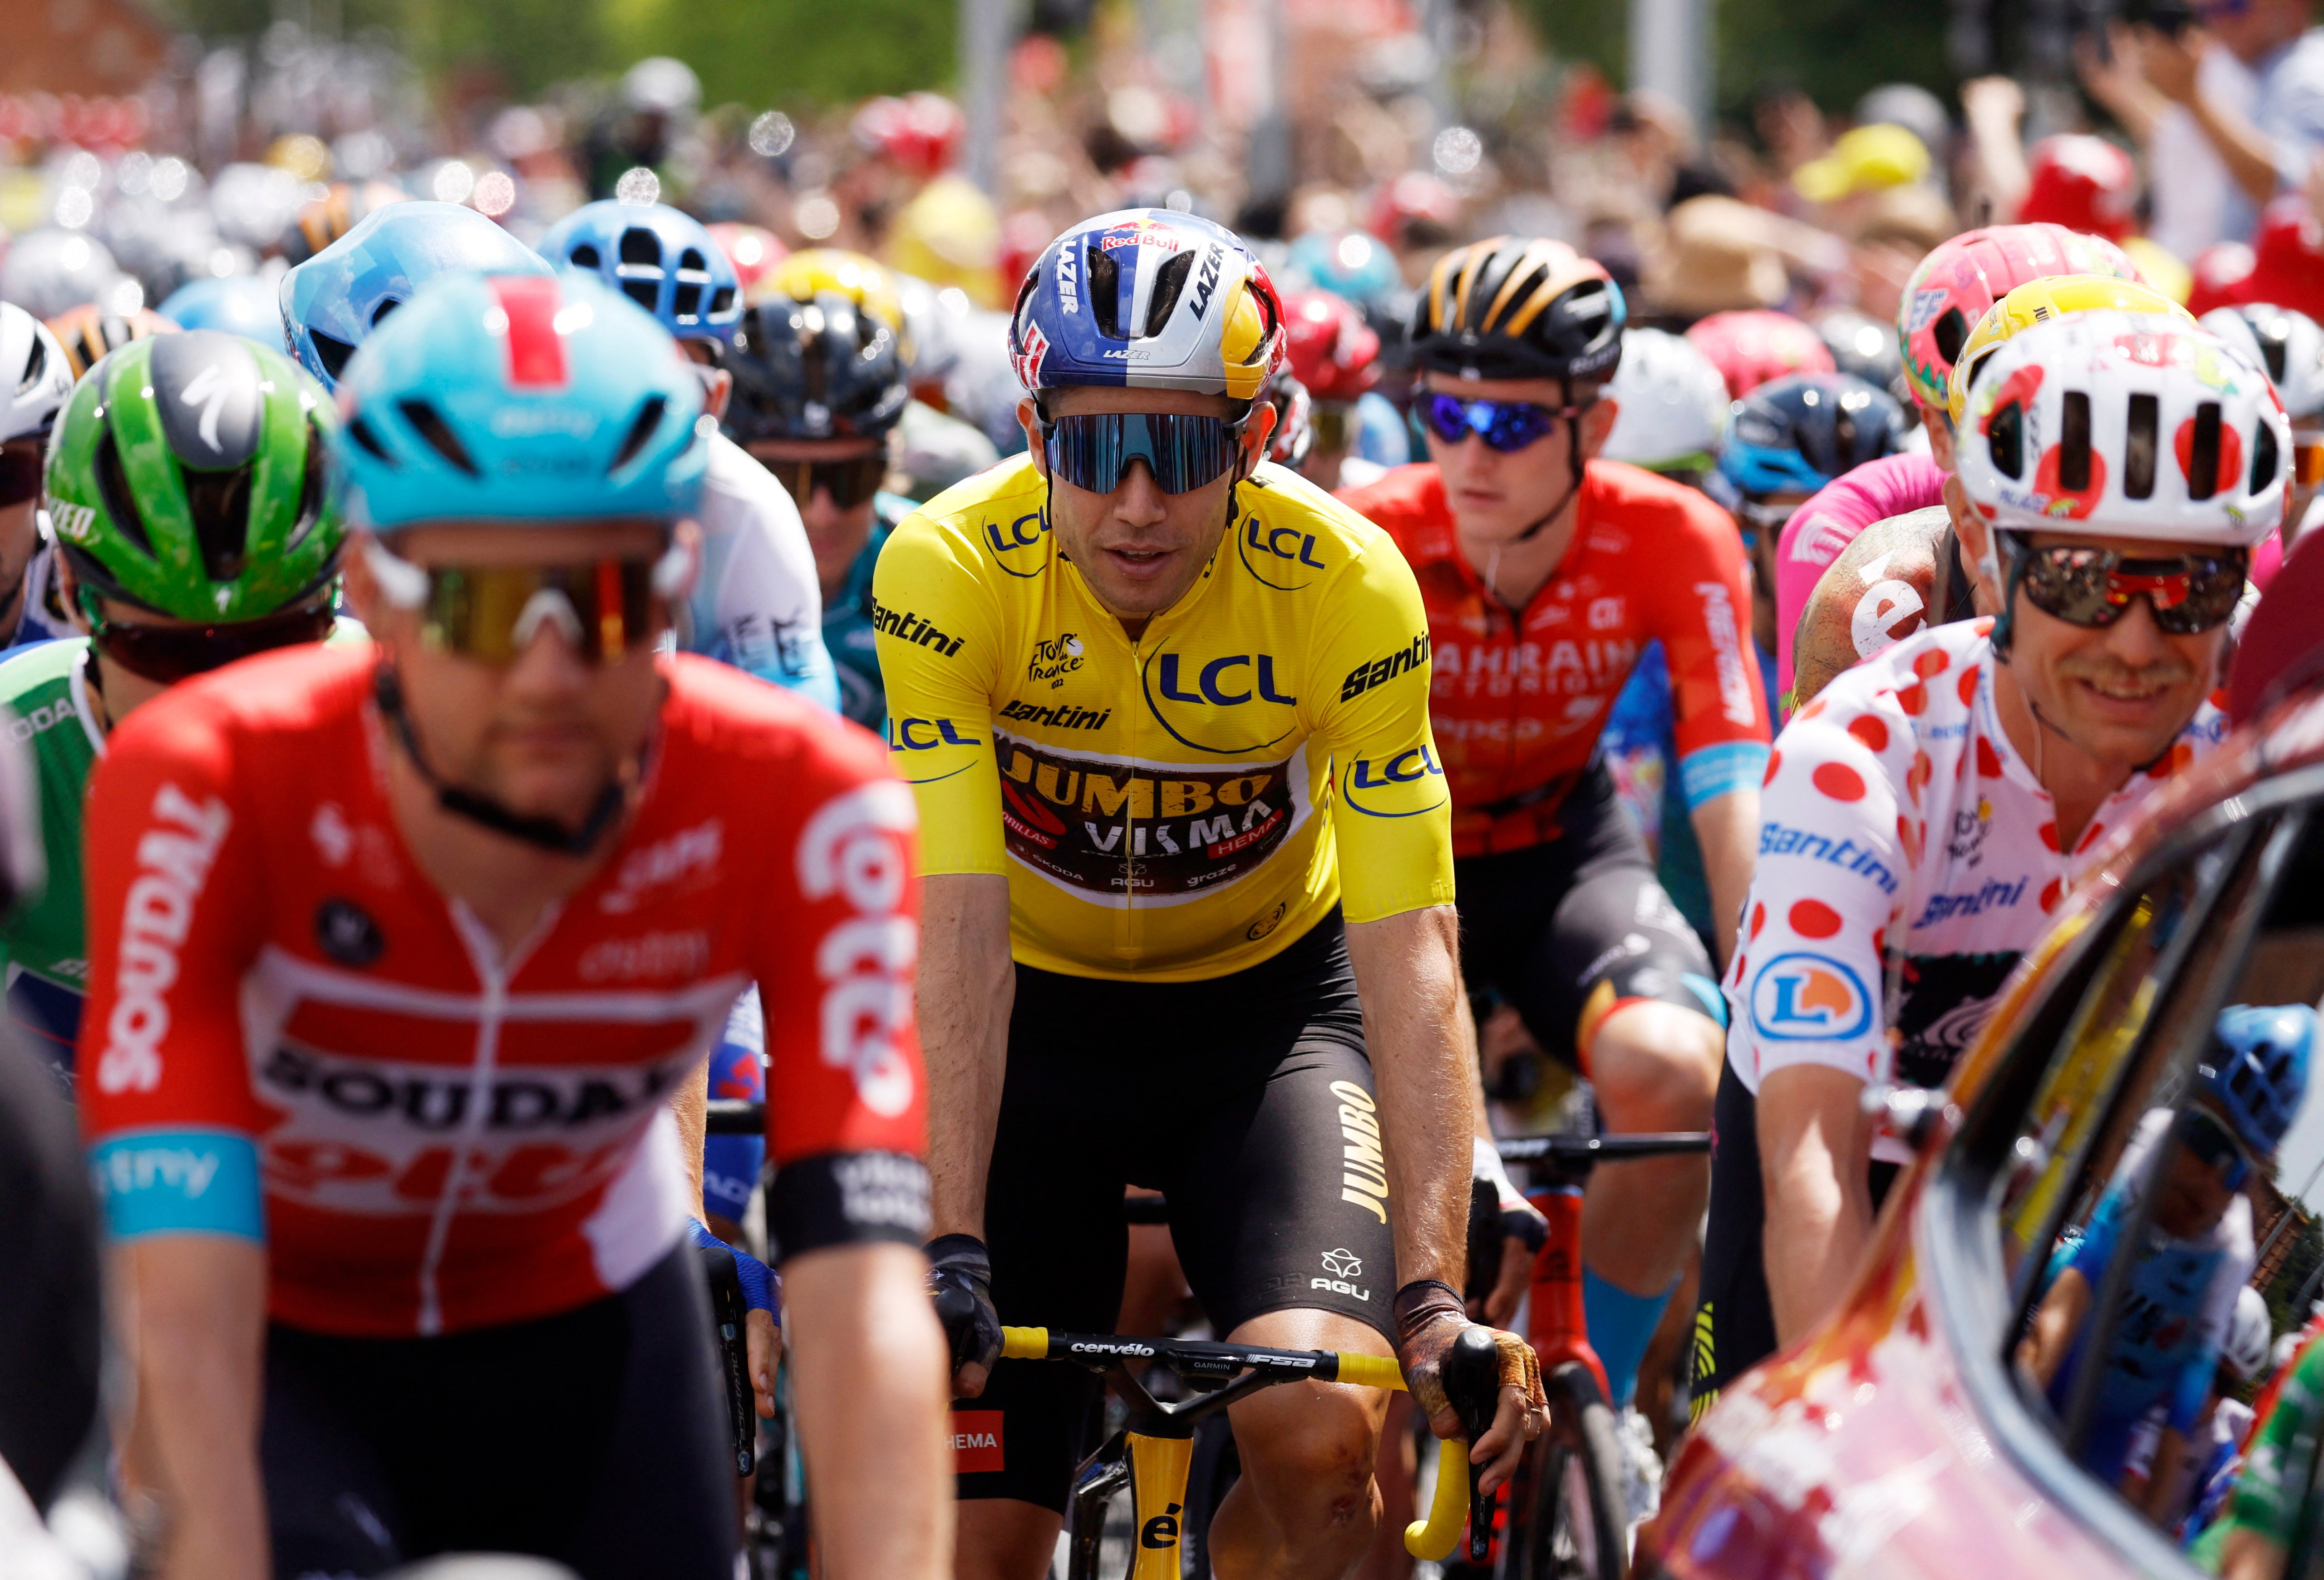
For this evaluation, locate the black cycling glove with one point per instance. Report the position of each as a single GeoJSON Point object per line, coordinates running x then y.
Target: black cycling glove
{"type": "Point", "coordinates": [960, 1277]}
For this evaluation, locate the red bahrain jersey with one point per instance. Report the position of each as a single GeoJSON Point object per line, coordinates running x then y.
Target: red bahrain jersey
{"type": "Point", "coordinates": [1518, 701]}
{"type": "Point", "coordinates": [292, 1035]}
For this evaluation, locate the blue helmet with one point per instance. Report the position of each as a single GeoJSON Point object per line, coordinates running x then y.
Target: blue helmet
{"type": "Point", "coordinates": [333, 300]}
{"type": "Point", "coordinates": [1798, 432]}
{"type": "Point", "coordinates": [1352, 263]}
{"type": "Point", "coordinates": [660, 257]}
{"type": "Point", "coordinates": [521, 400]}
{"type": "Point", "coordinates": [1149, 297]}
{"type": "Point", "coordinates": [243, 304]}
{"type": "Point", "coordinates": [2256, 1068]}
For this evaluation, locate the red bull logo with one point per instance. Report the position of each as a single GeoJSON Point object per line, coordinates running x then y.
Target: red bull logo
{"type": "Point", "coordinates": [1804, 998]}
{"type": "Point", "coordinates": [1140, 232]}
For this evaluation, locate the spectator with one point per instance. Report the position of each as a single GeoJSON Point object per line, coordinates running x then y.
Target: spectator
{"type": "Point", "coordinates": [2270, 149]}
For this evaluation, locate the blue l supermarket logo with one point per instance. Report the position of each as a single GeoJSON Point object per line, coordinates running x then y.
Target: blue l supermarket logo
{"type": "Point", "coordinates": [1807, 998]}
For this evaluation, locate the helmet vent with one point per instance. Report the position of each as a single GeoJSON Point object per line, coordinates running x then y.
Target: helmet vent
{"type": "Point", "coordinates": [641, 291]}
{"type": "Point", "coordinates": [1167, 284]}
{"type": "Point", "coordinates": [1104, 290]}
{"type": "Point", "coordinates": [219, 503]}
{"type": "Point", "coordinates": [35, 364]}
{"type": "Point", "coordinates": [641, 245]}
{"type": "Point", "coordinates": [642, 428]}
{"type": "Point", "coordinates": [586, 256]}
{"type": "Point", "coordinates": [686, 300]}
{"type": "Point", "coordinates": [722, 300]}
{"type": "Point", "coordinates": [2263, 458]}
{"type": "Point", "coordinates": [314, 490]}
{"type": "Point", "coordinates": [112, 492]}
{"type": "Point", "coordinates": [2274, 339]}
{"type": "Point", "coordinates": [2203, 454]}
{"type": "Point", "coordinates": [429, 424]}
{"type": "Point", "coordinates": [387, 305]}
{"type": "Point", "coordinates": [2139, 447]}
{"type": "Point", "coordinates": [360, 431]}
{"type": "Point", "coordinates": [2005, 438]}
{"type": "Point", "coordinates": [2074, 443]}
{"type": "Point", "coordinates": [1952, 332]}
{"type": "Point", "coordinates": [332, 352]}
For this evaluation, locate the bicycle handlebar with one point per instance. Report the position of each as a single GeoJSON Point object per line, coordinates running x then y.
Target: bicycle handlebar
{"type": "Point", "coordinates": [1432, 1539]}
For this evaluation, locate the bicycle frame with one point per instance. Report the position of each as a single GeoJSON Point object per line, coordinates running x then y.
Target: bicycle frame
{"type": "Point", "coordinates": [1153, 1451]}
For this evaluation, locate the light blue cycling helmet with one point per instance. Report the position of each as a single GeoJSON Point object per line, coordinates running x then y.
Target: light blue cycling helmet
{"type": "Point", "coordinates": [242, 305]}
{"type": "Point", "coordinates": [2256, 1068]}
{"type": "Point", "coordinates": [1352, 263]}
{"type": "Point", "coordinates": [660, 257]}
{"type": "Point", "coordinates": [333, 300]}
{"type": "Point", "coordinates": [529, 401]}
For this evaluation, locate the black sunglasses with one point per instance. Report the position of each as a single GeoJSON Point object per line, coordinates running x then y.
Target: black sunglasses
{"type": "Point", "coordinates": [171, 654]}
{"type": "Point", "coordinates": [2092, 588]}
{"type": "Point", "coordinates": [849, 482]}
{"type": "Point", "coordinates": [20, 471]}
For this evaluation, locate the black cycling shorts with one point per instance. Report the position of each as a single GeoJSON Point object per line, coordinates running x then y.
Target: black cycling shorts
{"type": "Point", "coordinates": [1734, 1325]}
{"type": "Point", "coordinates": [596, 1438]}
{"type": "Point", "coordinates": [1247, 1100]}
{"type": "Point", "coordinates": [1568, 930]}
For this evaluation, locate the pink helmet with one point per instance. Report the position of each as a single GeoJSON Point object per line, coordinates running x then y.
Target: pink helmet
{"type": "Point", "coordinates": [1333, 351]}
{"type": "Point", "coordinates": [2083, 183]}
{"type": "Point", "coordinates": [1957, 282]}
{"type": "Point", "coordinates": [1750, 347]}
{"type": "Point", "coordinates": [754, 250]}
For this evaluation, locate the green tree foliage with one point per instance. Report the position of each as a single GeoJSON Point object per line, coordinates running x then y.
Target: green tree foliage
{"type": "Point", "coordinates": [1831, 49]}
{"type": "Point", "coordinates": [760, 51]}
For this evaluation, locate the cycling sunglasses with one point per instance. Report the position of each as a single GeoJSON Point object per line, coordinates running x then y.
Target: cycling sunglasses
{"type": "Point", "coordinates": [1333, 424]}
{"type": "Point", "coordinates": [1092, 451]}
{"type": "Point", "coordinates": [20, 471]}
{"type": "Point", "coordinates": [606, 608]}
{"type": "Point", "coordinates": [2216, 1147]}
{"type": "Point", "coordinates": [849, 482]}
{"type": "Point", "coordinates": [168, 654]}
{"type": "Point", "coordinates": [1506, 426]}
{"type": "Point", "coordinates": [2092, 587]}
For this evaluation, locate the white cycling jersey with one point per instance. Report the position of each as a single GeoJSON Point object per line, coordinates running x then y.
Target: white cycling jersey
{"type": "Point", "coordinates": [1905, 848]}
{"type": "Point", "coordinates": [757, 604]}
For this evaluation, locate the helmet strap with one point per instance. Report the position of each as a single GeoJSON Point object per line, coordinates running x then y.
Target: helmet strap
{"type": "Point", "coordinates": [1573, 489]}
{"type": "Point", "coordinates": [542, 833]}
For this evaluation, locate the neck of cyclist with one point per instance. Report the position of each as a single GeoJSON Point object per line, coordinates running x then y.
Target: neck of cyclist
{"type": "Point", "coordinates": [1516, 512]}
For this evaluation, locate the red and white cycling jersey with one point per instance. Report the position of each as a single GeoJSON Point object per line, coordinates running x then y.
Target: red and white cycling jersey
{"type": "Point", "coordinates": [1901, 833]}
{"type": "Point", "coordinates": [1517, 703]}
{"type": "Point", "coordinates": [284, 1011]}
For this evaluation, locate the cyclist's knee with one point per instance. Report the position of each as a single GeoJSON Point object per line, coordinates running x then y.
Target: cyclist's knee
{"type": "Point", "coordinates": [1307, 1450]}
{"type": "Point", "coordinates": [1655, 1067]}
{"type": "Point", "coordinates": [1004, 1538]}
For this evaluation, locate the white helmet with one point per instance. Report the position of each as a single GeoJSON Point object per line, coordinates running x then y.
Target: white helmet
{"type": "Point", "coordinates": [2250, 1333]}
{"type": "Point", "coordinates": [2285, 342]}
{"type": "Point", "coordinates": [36, 379]}
{"type": "Point", "coordinates": [1673, 404]}
{"type": "Point", "coordinates": [51, 271]}
{"type": "Point", "coordinates": [2125, 425]}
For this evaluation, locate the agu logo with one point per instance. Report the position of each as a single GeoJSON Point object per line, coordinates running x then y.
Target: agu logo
{"type": "Point", "coordinates": [1808, 998]}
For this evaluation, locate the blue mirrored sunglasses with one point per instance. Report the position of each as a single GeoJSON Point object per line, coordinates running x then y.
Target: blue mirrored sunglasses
{"type": "Point", "coordinates": [1506, 426]}
{"type": "Point", "coordinates": [1094, 450]}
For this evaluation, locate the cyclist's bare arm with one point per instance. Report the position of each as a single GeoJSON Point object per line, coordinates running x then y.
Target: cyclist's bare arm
{"type": "Point", "coordinates": [868, 1372]}
{"type": "Point", "coordinates": [1407, 974]}
{"type": "Point", "coordinates": [966, 985]}
{"type": "Point", "coordinates": [1728, 828]}
{"type": "Point", "coordinates": [690, 1107]}
{"type": "Point", "coordinates": [1815, 1142]}
{"type": "Point", "coordinates": [195, 1321]}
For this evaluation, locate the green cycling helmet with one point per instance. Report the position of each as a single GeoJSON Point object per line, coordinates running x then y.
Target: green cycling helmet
{"type": "Point", "coordinates": [188, 477]}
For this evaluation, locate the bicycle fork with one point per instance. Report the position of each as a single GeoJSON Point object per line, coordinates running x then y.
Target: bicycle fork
{"type": "Point", "coordinates": [1155, 1465]}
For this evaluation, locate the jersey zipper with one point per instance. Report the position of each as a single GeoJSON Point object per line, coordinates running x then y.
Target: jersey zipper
{"type": "Point", "coordinates": [493, 973]}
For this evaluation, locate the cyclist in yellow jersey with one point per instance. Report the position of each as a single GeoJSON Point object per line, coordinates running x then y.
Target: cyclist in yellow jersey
{"type": "Point", "coordinates": [1151, 694]}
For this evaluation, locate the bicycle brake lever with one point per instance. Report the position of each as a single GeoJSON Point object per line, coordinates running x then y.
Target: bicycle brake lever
{"type": "Point", "coordinates": [1472, 1377]}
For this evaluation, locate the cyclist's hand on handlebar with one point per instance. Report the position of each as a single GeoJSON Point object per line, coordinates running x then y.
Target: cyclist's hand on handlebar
{"type": "Point", "coordinates": [960, 1278]}
{"type": "Point", "coordinates": [1523, 1231]}
{"type": "Point", "coordinates": [763, 1332]}
{"type": "Point", "coordinates": [765, 1341]}
{"type": "Point", "coordinates": [1428, 1318]}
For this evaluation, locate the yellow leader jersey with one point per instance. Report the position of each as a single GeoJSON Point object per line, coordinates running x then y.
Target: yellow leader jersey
{"type": "Point", "coordinates": [1183, 805]}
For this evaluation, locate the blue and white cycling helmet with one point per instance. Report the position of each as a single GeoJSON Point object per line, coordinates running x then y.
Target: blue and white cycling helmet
{"type": "Point", "coordinates": [241, 304]}
{"type": "Point", "coordinates": [1151, 299]}
{"type": "Point", "coordinates": [1352, 263]}
{"type": "Point", "coordinates": [1798, 432]}
{"type": "Point", "coordinates": [2256, 1068]}
{"type": "Point", "coordinates": [333, 300]}
{"type": "Point", "coordinates": [524, 400]}
{"type": "Point", "coordinates": [660, 257]}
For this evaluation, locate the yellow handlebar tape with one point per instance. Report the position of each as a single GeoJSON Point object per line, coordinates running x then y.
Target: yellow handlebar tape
{"type": "Point", "coordinates": [1434, 1537]}
{"type": "Point", "coordinates": [1370, 1370]}
{"type": "Point", "coordinates": [1025, 1344]}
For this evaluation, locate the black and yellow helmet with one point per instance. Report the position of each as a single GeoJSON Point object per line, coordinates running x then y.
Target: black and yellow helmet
{"type": "Point", "coordinates": [1519, 308]}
